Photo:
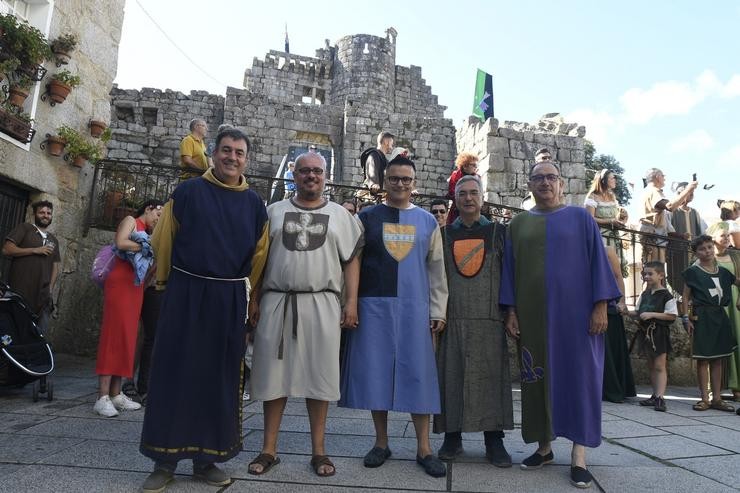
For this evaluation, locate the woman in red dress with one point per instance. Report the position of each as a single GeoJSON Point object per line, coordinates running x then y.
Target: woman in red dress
{"type": "Point", "coordinates": [121, 310]}
{"type": "Point", "coordinates": [467, 164]}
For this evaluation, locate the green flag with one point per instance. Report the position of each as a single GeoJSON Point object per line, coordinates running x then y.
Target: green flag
{"type": "Point", "coordinates": [483, 100]}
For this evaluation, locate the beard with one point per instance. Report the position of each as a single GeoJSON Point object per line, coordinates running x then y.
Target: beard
{"type": "Point", "coordinates": [41, 223]}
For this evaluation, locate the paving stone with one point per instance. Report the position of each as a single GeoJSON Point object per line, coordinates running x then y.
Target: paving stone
{"type": "Point", "coordinates": [25, 405]}
{"type": "Point", "coordinates": [109, 428]}
{"type": "Point", "coordinates": [85, 410]}
{"type": "Point", "coordinates": [627, 428]}
{"type": "Point", "coordinates": [240, 486]}
{"type": "Point", "coordinates": [12, 422]}
{"type": "Point", "coordinates": [333, 425]}
{"type": "Point", "coordinates": [726, 420]}
{"type": "Point", "coordinates": [28, 449]}
{"type": "Point", "coordinates": [102, 454]}
{"type": "Point", "coordinates": [673, 479]}
{"type": "Point", "coordinates": [295, 469]}
{"type": "Point", "coordinates": [648, 416]}
{"type": "Point", "coordinates": [671, 447]}
{"type": "Point", "coordinates": [484, 477]}
{"type": "Point", "coordinates": [725, 469]}
{"type": "Point", "coordinates": [709, 434]}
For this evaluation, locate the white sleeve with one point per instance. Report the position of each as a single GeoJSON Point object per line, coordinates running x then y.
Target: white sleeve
{"type": "Point", "coordinates": [670, 307]}
{"type": "Point", "coordinates": [589, 202]}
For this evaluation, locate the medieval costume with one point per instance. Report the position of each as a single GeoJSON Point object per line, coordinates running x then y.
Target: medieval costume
{"type": "Point", "coordinates": [208, 239]}
{"type": "Point", "coordinates": [296, 346]}
{"type": "Point", "coordinates": [555, 271]}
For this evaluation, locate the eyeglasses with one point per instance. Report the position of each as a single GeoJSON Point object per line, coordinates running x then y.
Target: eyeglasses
{"type": "Point", "coordinates": [394, 180]}
{"type": "Point", "coordinates": [438, 212]}
{"type": "Point", "coordinates": [468, 193]}
{"type": "Point", "coordinates": [542, 178]}
{"type": "Point", "coordinates": [308, 171]}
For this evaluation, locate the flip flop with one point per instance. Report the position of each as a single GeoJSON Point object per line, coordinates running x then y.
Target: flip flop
{"type": "Point", "coordinates": [267, 462]}
{"type": "Point", "coordinates": [322, 460]}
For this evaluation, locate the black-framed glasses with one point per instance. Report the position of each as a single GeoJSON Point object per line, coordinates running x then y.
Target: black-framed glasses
{"type": "Point", "coordinates": [394, 180]}
{"type": "Point", "coordinates": [308, 171]}
{"type": "Point", "coordinates": [541, 178]}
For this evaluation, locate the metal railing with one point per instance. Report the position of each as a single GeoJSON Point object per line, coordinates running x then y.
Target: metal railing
{"type": "Point", "coordinates": [120, 187]}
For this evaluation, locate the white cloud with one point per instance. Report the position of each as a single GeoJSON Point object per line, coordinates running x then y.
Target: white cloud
{"type": "Point", "coordinates": [698, 140]}
{"type": "Point", "coordinates": [730, 158]}
{"type": "Point", "coordinates": [597, 123]}
{"type": "Point", "coordinates": [674, 97]}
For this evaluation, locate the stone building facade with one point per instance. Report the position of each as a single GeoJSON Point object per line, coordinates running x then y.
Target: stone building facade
{"type": "Point", "coordinates": [28, 173]}
{"type": "Point", "coordinates": [338, 100]}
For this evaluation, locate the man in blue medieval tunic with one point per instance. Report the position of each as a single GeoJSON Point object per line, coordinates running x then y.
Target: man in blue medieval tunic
{"type": "Point", "coordinates": [556, 283]}
{"type": "Point", "coordinates": [389, 362]}
{"type": "Point", "coordinates": [313, 249]}
{"type": "Point", "coordinates": [212, 235]}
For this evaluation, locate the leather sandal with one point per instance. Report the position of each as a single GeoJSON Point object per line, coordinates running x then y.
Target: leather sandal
{"type": "Point", "coordinates": [721, 405]}
{"type": "Point", "coordinates": [701, 406]}
{"type": "Point", "coordinates": [322, 460]}
{"type": "Point", "coordinates": [267, 462]}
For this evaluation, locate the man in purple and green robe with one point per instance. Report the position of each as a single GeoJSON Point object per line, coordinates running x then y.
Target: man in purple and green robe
{"type": "Point", "coordinates": [555, 285]}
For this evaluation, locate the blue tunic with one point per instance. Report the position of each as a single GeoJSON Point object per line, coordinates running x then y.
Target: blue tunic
{"type": "Point", "coordinates": [194, 402]}
{"type": "Point", "coordinates": [389, 360]}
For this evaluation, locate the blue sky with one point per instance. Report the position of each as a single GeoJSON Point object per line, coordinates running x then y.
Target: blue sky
{"type": "Point", "coordinates": [656, 83]}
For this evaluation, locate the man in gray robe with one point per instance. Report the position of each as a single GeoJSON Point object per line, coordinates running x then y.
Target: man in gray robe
{"type": "Point", "coordinates": [472, 358]}
{"type": "Point", "coordinates": [313, 245]}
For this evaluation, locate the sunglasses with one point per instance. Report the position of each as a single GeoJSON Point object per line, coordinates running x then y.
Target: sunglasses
{"type": "Point", "coordinates": [438, 212]}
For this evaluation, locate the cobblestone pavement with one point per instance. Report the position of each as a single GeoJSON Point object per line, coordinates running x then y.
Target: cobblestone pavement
{"type": "Point", "coordinates": [62, 446]}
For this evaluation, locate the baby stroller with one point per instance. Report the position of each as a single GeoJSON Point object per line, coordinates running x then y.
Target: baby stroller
{"type": "Point", "coordinates": [25, 356]}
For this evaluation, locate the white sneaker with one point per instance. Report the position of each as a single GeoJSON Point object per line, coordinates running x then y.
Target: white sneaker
{"type": "Point", "coordinates": [104, 407]}
{"type": "Point", "coordinates": [124, 403]}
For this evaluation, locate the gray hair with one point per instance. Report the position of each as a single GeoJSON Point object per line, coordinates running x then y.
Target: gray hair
{"type": "Point", "coordinates": [310, 155]}
{"type": "Point", "coordinates": [651, 174]}
{"type": "Point", "coordinates": [194, 122]}
{"type": "Point", "coordinates": [467, 178]}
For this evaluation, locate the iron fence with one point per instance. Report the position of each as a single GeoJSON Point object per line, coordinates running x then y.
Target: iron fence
{"type": "Point", "coordinates": [120, 187]}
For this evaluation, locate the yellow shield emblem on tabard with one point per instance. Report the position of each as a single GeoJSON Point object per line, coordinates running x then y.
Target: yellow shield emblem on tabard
{"type": "Point", "coordinates": [399, 239]}
{"type": "Point", "coordinates": [469, 256]}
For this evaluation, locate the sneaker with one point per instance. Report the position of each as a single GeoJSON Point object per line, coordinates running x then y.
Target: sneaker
{"type": "Point", "coordinates": [660, 404]}
{"type": "Point", "coordinates": [648, 402]}
{"type": "Point", "coordinates": [124, 403]}
{"type": "Point", "coordinates": [157, 481]}
{"type": "Point", "coordinates": [536, 461]}
{"type": "Point", "coordinates": [104, 407]}
{"type": "Point", "coordinates": [211, 474]}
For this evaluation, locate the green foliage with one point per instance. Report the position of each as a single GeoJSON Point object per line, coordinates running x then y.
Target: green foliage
{"type": "Point", "coordinates": [23, 41]}
{"type": "Point", "coordinates": [64, 43]}
{"type": "Point", "coordinates": [16, 112]}
{"type": "Point", "coordinates": [9, 66]}
{"type": "Point", "coordinates": [20, 81]}
{"type": "Point", "coordinates": [77, 145]}
{"type": "Point", "coordinates": [598, 162]}
{"type": "Point", "coordinates": [66, 77]}
{"type": "Point", "coordinates": [106, 135]}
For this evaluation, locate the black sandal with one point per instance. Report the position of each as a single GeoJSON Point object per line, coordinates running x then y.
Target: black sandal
{"type": "Point", "coordinates": [267, 462]}
{"type": "Point", "coordinates": [432, 466]}
{"type": "Point", "coordinates": [322, 460]}
{"type": "Point", "coordinates": [376, 457]}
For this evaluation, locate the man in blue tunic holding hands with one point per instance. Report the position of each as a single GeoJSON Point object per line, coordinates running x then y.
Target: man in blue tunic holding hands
{"type": "Point", "coordinates": [389, 362]}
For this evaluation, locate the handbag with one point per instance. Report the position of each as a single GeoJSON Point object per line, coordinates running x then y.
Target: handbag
{"type": "Point", "coordinates": [102, 265]}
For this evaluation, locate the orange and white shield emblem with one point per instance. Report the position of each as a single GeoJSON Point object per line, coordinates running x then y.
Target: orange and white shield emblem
{"type": "Point", "coordinates": [469, 256]}
{"type": "Point", "coordinates": [399, 239]}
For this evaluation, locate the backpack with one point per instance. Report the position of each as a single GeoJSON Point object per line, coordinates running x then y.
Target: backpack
{"type": "Point", "coordinates": [102, 265]}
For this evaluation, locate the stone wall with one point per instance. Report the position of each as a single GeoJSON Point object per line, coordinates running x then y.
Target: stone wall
{"type": "Point", "coordinates": [98, 25]}
{"type": "Point", "coordinates": [506, 153]}
{"type": "Point", "coordinates": [288, 78]}
{"type": "Point", "coordinates": [149, 124]}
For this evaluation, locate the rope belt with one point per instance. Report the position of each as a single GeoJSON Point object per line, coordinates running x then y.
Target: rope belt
{"type": "Point", "coordinates": [292, 301]}
{"type": "Point", "coordinates": [245, 280]}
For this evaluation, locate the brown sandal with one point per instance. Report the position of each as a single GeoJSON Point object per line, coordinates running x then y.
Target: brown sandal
{"type": "Point", "coordinates": [267, 462]}
{"type": "Point", "coordinates": [701, 406]}
{"type": "Point", "coordinates": [322, 460]}
{"type": "Point", "coordinates": [721, 405]}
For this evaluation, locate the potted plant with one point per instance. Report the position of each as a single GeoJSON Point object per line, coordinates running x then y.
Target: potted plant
{"type": "Point", "coordinates": [60, 86]}
{"type": "Point", "coordinates": [19, 87]}
{"type": "Point", "coordinates": [97, 127]}
{"type": "Point", "coordinates": [62, 47]}
{"type": "Point", "coordinates": [27, 44]}
{"type": "Point", "coordinates": [16, 123]}
{"type": "Point", "coordinates": [78, 148]}
{"type": "Point", "coordinates": [55, 145]}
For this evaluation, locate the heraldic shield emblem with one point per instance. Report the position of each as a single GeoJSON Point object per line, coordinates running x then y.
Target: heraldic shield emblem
{"type": "Point", "coordinates": [304, 231]}
{"type": "Point", "coordinates": [399, 239]}
{"type": "Point", "coordinates": [469, 256]}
